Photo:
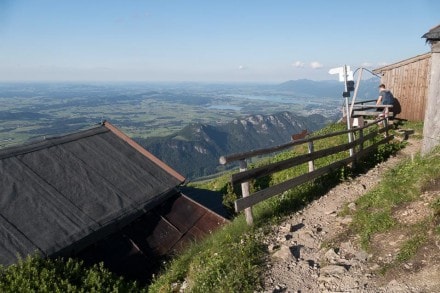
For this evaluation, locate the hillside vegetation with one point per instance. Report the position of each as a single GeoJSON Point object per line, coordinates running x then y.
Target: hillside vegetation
{"type": "Point", "coordinates": [194, 151]}
{"type": "Point", "coordinates": [233, 258]}
{"type": "Point", "coordinates": [35, 274]}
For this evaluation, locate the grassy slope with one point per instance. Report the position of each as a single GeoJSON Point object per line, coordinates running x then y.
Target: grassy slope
{"type": "Point", "coordinates": [403, 185]}
{"type": "Point", "coordinates": [230, 260]}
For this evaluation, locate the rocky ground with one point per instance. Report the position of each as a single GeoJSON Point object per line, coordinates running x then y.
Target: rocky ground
{"type": "Point", "coordinates": [302, 261]}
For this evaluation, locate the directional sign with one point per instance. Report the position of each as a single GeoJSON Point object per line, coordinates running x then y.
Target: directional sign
{"type": "Point", "coordinates": [340, 71]}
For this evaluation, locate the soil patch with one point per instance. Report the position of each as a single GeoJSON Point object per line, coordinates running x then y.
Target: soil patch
{"type": "Point", "coordinates": [312, 250]}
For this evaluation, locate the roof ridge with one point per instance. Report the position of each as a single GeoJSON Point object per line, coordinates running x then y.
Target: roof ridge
{"type": "Point", "coordinates": [50, 141]}
{"type": "Point", "coordinates": [143, 151]}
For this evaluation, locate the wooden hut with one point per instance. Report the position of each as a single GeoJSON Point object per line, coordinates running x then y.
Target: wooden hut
{"type": "Point", "coordinates": [409, 82]}
{"type": "Point", "coordinates": [99, 196]}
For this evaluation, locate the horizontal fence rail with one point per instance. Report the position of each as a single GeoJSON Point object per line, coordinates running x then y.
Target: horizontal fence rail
{"type": "Point", "coordinates": [363, 110]}
{"type": "Point", "coordinates": [244, 176]}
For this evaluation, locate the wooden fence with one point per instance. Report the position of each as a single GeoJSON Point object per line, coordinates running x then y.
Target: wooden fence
{"type": "Point", "coordinates": [356, 147]}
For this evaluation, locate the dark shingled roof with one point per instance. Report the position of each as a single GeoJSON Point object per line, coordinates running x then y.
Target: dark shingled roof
{"type": "Point", "coordinates": [65, 193]}
{"type": "Point", "coordinates": [433, 34]}
{"type": "Point", "coordinates": [137, 250]}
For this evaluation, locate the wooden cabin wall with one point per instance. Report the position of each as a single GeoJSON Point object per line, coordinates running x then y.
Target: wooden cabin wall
{"type": "Point", "coordinates": [409, 82]}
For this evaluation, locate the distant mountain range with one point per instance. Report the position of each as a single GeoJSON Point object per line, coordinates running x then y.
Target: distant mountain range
{"type": "Point", "coordinates": [195, 150]}
{"type": "Point", "coordinates": [368, 88]}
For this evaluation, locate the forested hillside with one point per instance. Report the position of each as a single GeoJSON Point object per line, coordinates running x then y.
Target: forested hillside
{"type": "Point", "coordinates": [194, 151]}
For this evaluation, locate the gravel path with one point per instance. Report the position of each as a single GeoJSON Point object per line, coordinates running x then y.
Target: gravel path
{"type": "Point", "coordinates": [298, 261]}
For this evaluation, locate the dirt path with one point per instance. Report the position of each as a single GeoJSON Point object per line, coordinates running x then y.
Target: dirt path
{"type": "Point", "coordinates": [299, 263]}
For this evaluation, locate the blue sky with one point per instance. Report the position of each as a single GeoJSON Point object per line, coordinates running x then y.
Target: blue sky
{"type": "Point", "coordinates": [209, 41]}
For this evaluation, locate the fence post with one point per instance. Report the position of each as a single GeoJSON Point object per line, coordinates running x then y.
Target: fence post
{"type": "Point", "coordinates": [311, 150]}
{"type": "Point", "coordinates": [385, 122]}
{"type": "Point", "coordinates": [245, 193]}
{"type": "Point", "coordinates": [361, 139]}
{"type": "Point", "coordinates": [353, 151]}
{"type": "Point", "coordinates": [350, 139]}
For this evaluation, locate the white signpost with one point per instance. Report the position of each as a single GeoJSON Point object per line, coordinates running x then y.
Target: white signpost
{"type": "Point", "coordinates": [345, 75]}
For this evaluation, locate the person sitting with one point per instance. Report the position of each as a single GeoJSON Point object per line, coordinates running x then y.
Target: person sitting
{"type": "Point", "coordinates": [385, 98]}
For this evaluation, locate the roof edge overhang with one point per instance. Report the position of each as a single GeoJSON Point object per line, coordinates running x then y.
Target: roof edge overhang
{"type": "Point", "coordinates": [401, 63]}
{"type": "Point", "coordinates": [143, 151]}
{"type": "Point", "coordinates": [433, 34]}
{"type": "Point", "coordinates": [202, 206]}
{"type": "Point", "coordinates": [117, 224]}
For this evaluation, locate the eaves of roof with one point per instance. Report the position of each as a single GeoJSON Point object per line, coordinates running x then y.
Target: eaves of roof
{"type": "Point", "coordinates": [402, 63]}
{"type": "Point", "coordinates": [433, 34]}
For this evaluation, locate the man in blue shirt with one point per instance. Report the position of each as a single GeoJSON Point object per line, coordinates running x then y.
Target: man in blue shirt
{"type": "Point", "coordinates": [385, 98]}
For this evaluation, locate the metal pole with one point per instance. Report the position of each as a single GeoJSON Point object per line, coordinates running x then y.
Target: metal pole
{"type": "Point", "coordinates": [356, 89]}
{"type": "Point", "coordinates": [348, 115]}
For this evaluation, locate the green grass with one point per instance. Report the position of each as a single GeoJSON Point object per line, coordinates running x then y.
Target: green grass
{"type": "Point", "coordinates": [227, 261]}
{"type": "Point", "coordinates": [231, 259]}
{"type": "Point", "coordinates": [411, 246]}
{"type": "Point", "coordinates": [400, 185]}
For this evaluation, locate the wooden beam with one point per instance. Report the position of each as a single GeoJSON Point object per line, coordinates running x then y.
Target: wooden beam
{"type": "Point", "coordinates": [282, 165]}
{"type": "Point", "coordinates": [372, 105]}
{"type": "Point", "coordinates": [241, 156]}
{"type": "Point", "coordinates": [261, 195]}
{"type": "Point", "coordinates": [366, 101]}
{"type": "Point", "coordinates": [264, 194]}
{"type": "Point", "coordinates": [369, 113]}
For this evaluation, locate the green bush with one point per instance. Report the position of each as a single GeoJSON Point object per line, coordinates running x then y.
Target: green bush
{"type": "Point", "coordinates": [36, 274]}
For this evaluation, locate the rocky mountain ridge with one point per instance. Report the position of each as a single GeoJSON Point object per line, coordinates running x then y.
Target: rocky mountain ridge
{"type": "Point", "coordinates": [194, 151]}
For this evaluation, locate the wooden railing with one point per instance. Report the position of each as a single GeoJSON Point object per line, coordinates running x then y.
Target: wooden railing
{"type": "Point", "coordinates": [356, 148]}
{"type": "Point", "coordinates": [363, 108]}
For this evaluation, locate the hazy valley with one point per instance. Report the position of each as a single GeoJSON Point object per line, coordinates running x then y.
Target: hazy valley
{"type": "Point", "coordinates": [188, 125]}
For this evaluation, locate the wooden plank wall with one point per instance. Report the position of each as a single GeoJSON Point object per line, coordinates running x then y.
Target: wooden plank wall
{"type": "Point", "coordinates": [409, 82]}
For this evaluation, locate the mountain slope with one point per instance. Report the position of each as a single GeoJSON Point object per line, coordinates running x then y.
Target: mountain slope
{"type": "Point", "coordinates": [329, 88]}
{"type": "Point", "coordinates": [194, 151]}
